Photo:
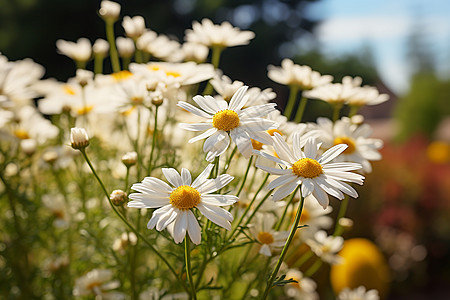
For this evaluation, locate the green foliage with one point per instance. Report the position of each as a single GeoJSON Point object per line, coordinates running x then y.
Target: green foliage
{"type": "Point", "coordinates": [423, 107]}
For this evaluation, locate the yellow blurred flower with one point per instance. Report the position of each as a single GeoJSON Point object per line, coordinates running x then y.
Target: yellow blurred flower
{"type": "Point", "coordinates": [363, 265]}
{"type": "Point", "coordinates": [438, 152]}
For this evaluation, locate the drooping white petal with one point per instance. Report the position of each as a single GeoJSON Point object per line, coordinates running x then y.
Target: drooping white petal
{"type": "Point", "coordinates": [212, 185]}
{"type": "Point", "coordinates": [208, 213]}
{"type": "Point", "coordinates": [242, 141]}
{"type": "Point", "coordinates": [321, 196]}
{"type": "Point", "coordinates": [330, 189]}
{"type": "Point", "coordinates": [203, 135]}
{"type": "Point", "coordinates": [193, 228]}
{"type": "Point", "coordinates": [284, 190]}
{"type": "Point", "coordinates": [156, 215]}
{"type": "Point", "coordinates": [344, 187]}
{"type": "Point", "coordinates": [345, 176]}
{"type": "Point", "coordinates": [265, 250]}
{"type": "Point", "coordinates": [342, 166]}
{"type": "Point", "coordinates": [282, 148]}
{"type": "Point", "coordinates": [214, 139]}
{"type": "Point", "coordinates": [166, 218]}
{"type": "Point", "coordinates": [272, 158]}
{"type": "Point", "coordinates": [307, 187]}
{"type": "Point", "coordinates": [180, 226]}
{"type": "Point", "coordinates": [284, 179]}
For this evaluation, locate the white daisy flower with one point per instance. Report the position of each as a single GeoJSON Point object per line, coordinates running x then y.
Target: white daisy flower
{"type": "Point", "coordinates": [361, 149]}
{"type": "Point", "coordinates": [261, 229]}
{"type": "Point", "coordinates": [367, 95]}
{"type": "Point", "coordinates": [360, 293]}
{"type": "Point", "coordinates": [304, 288]}
{"type": "Point", "coordinates": [316, 175]}
{"type": "Point", "coordinates": [134, 27]}
{"type": "Point", "coordinates": [228, 120]}
{"type": "Point", "coordinates": [212, 35]}
{"type": "Point", "coordinates": [326, 247]}
{"type": "Point", "coordinates": [175, 203]}
{"type": "Point", "coordinates": [334, 93]}
{"type": "Point", "coordinates": [98, 282]}
{"type": "Point", "coordinates": [80, 50]}
{"type": "Point", "coordinates": [301, 76]}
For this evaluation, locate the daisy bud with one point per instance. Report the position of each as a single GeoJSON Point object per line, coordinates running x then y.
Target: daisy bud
{"type": "Point", "coordinates": [100, 47]}
{"type": "Point", "coordinates": [346, 223]}
{"type": "Point", "coordinates": [28, 146]}
{"type": "Point", "coordinates": [157, 100]}
{"type": "Point", "coordinates": [129, 159]}
{"type": "Point", "coordinates": [109, 10]}
{"type": "Point", "coordinates": [79, 138]}
{"type": "Point", "coordinates": [50, 157]}
{"type": "Point", "coordinates": [125, 46]}
{"type": "Point", "coordinates": [118, 197]}
{"type": "Point", "coordinates": [357, 119]}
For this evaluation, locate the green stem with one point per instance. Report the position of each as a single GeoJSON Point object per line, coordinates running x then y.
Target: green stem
{"type": "Point", "coordinates": [304, 258]}
{"type": "Point", "coordinates": [245, 176]}
{"type": "Point", "coordinates": [98, 64]}
{"type": "Point", "coordinates": [291, 101]}
{"type": "Point", "coordinates": [314, 268]}
{"type": "Point", "coordinates": [227, 164]}
{"type": "Point", "coordinates": [342, 210]}
{"type": "Point", "coordinates": [187, 255]}
{"type": "Point", "coordinates": [336, 111]}
{"type": "Point", "coordinates": [285, 248]}
{"type": "Point", "coordinates": [249, 206]}
{"type": "Point", "coordinates": [113, 55]}
{"type": "Point", "coordinates": [138, 234]}
{"type": "Point", "coordinates": [280, 222]}
{"type": "Point", "coordinates": [353, 110]}
{"type": "Point", "coordinates": [138, 57]}
{"type": "Point", "coordinates": [301, 110]}
{"type": "Point", "coordinates": [155, 133]}
{"type": "Point", "coordinates": [215, 60]}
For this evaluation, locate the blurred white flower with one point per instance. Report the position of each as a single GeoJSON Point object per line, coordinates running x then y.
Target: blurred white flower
{"type": "Point", "coordinates": [301, 76]}
{"type": "Point", "coordinates": [326, 247]}
{"type": "Point", "coordinates": [79, 51]}
{"type": "Point", "coordinates": [109, 10]}
{"type": "Point", "coordinates": [98, 283]}
{"type": "Point", "coordinates": [100, 47]}
{"type": "Point", "coordinates": [303, 289]}
{"type": "Point", "coordinates": [212, 35]}
{"type": "Point", "coordinates": [125, 46]}
{"type": "Point", "coordinates": [360, 293]}
{"type": "Point", "coordinates": [134, 27]}
{"type": "Point", "coordinates": [270, 240]}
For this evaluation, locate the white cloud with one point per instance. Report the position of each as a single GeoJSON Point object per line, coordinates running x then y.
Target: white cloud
{"type": "Point", "coordinates": [362, 28]}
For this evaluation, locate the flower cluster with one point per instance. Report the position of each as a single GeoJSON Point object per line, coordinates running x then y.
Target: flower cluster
{"type": "Point", "coordinates": [214, 162]}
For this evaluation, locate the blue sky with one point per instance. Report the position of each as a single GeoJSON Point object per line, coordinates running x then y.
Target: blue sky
{"type": "Point", "coordinates": [384, 25]}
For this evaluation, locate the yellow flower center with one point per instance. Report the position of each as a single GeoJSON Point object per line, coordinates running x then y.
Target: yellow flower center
{"type": "Point", "coordinates": [184, 197]}
{"type": "Point", "coordinates": [84, 110]}
{"type": "Point", "coordinates": [307, 168]}
{"type": "Point", "coordinates": [68, 90]}
{"type": "Point", "coordinates": [137, 100]}
{"type": "Point", "coordinates": [272, 131]}
{"type": "Point", "coordinates": [122, 75]}
{"type": "Point", "coordinates": [226, 120]}
{"type": "Point", "coordinates": [21, 134]}
{"type": "Point", "coordinates": [173, 74]}
{"type": "Point", "coordinates": [265, 238]}
{"type": "Point", "coordinates": [256, 145]}
{"type": "Point", "coordinates": [154, 68]}
{"type": "Point", "coordinates": [348, 141]}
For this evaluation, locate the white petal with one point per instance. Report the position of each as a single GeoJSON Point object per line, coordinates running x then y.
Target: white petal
{"type": "Point", "coordinates": [156, 184]}
{"type": "Point", "coordinates": [195, 126]}
{"type": "Point", "coordinates": [282, 148]}
{"type": "Point", "coordinates": [193, 228]}
{"type": "Point", "coordinates": [272, 158]}
{"type": "Point", "coordinates": [265, 250]}
{"type": "Point", "coordinates": [342, 166]}
{"type": "Point", "coordinates": [257, 111]}
{"type": "Point", "coordinates": [239, 99]}
{"type": "Point", "coordinates": [204, 135]}
{"type": "Point", "coordinates": [166, 219]}
{"type": "Point", "coordinates": [330, 189]}
{"type": "Point", "coordinates": [345, 176]}
{"type": "Point", "coordinates": [203, 175]}
{"type": "Point", "coordinates": [219, 200]}
{"type": "Point", "coordinates": [147, 189]}
{"type": "Point", "coordinates": [307, 187]}
{"type": "Point", "coordinates": [321, 197]}
{"type": "Point", "coordinates": [332, 153]}
{"type": "Point", "coordinates": [284, 179]}
{"type": "Point", "coordinates": [207, 103]}
{"type": "Point", "coordinates": [194, 110]}
{"type": "Point", "coordinates": [147, 201]}
{"type": "Point", "coordinates": [156, 214]}
{"type": "Point", "coordinates": [242, 141]}
{"type": "Point", "coordinates": [172, 176]}
{"type": "Point", "coordinates": [186, 177]}
{"type": "Point", "coordinates": [208, 213]}
{"type": "Point", "coordinates": [275, 171]}
{"type": "Point", "coordinates": [284, 190]}
{"type": "Point", "coordinates": [180, 227]}
{"type": "Point", "coordinates": [344, 187]}
{"type": "Point", "coordinates": [296, 146]}
{"type": "Point", "coordinates": [212, 185]}
{"type": "Point", "coordinates": [310, 148]}
{"type": "Point", "coordinates": [214, 139]}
